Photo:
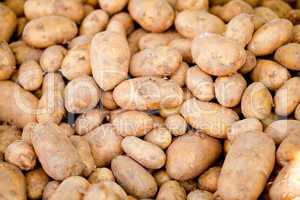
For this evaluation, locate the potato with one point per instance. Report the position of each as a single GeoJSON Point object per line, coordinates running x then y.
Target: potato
{"type": "Point", "coordinates": [101, 174]}
{"type": "Point", "coordinates": [287, 97]}
{"type": "Point", "coordinates": [40, 33]}
{"type": "Point", "coordinates": [165, 112]}
{"type": "Point", "coordinates": [263, 15]}
{"type": "Point", "coordinates": [288, 56]}
{"type": "Point", "coordinates": [183, 46]}
{"type": "Point", "coordinates": [256, 101]}
{"type": "Point", "coordinates": [88, 121]}
{"type": "Point", "coordinates": [243, 126]}
{"type": "Point", "coordinates": [112, 6]}
{"type": "Point", "coordinates": [200, 195]}
{"type": "Point", "coordinates": [67, 129]}
{"type": "Point", "coordinates": [94, 22]}
{"type": "Point", "coordinates": [261, 46]}
{"type": "Point", "coordinates": [50, 189]}
{"type": "Point", "coordinates": [133, 178]}
{"type": "Point", "coordinates": [145, 153]}
{"type": "Point", "coordinates": [231, 55]}
{"type": "Point", "coordinates": [23, 52]}
{"type": "Point", "coordinates": [176, 124]}
{"type": "Point", "coordinates": [7, 62]}
{"type": "Point", "coordinates": [297, 112]}
{"type": "Point", "coordinates": [38, 8]}
{"type": "Point", "coordinates": [87, 9]}
{"type": "Point", "coordinates": [270, 73]}
{"type": "Point", "coordinates": [12, 182]}
{"type": "Point", "coordinates": [105, 144]}
{"type": "Point", "coordinates": [55, 152]}
{"type": "Point", "coordinates": [80, 41]}
{"type": "Point", "coordinates": [159, 61]}
{"type": "Point", "coordinates": [296, 33]}
{"type": "Point", "coordinates": [148, 93]}
{"type": "Point", "coordinates": [36, 181]}
{"type": "Point", "coordinates": [124, 19]}
{"type": "Point", "coordinates": [8, 21]}
{"type": "Point", "coordinates": [252, 158]}
{"type": "Point", "coordinates": [189, 185]}
{"type": "Point", "coordinates": [190, 23]}
{"type": "Point", "coordinates": [200, 84]}
{"type": "Point", "coordinates": [52, 58]}
{"type": "Point", "coordinates": [159, 136]}
{"type": "Point", "coordinates": [280, 7]}
{"type": "Point", "coordinates": [22, 21]}
{"type": "Point", "coordinates": [108, 101]}
{"type": "Point", "coordinates": [209, 180]}
{"type": "Point", "coordinates": [105, 190]}
{"type": "Point", "coordinates": [203, 151]}
{"type": "Point", "coordinates": [154, 40]}
{"type": "Point", "coordinates": [134, 38]}
{"type": "Point", "coordinates": [161, 177]}
{"type": "Point", "coordinates": [8, 135]}
{"type": "Point", "coordinates": [171, 190]}
{"type": "Point", "coordinates": [154, 16]}
{"type": "Point", "coordinates": [17, 6]}
{"type": "Point", "coordinates": [110, 56]}
{"type": "Point", "coordinates": [209, 117]}
{"type": "Point", "coordinates": [229, 89]}
{"type": "Point", "coordinates": [191, 4]}
{"type": "Point", "coordinates": [30, 75]}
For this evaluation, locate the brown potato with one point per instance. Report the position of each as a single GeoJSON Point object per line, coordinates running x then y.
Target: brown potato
{"type": "Point", "coordinates": [203, 151]}
{"type": "Point", "coordinates": [108, 101]}
{"type": "Point", "coordinates": [263, 15]}
{"type": "Point", "coordinates": [191, 4]}
{"type": "Point", "coordinates": [134, 38]}
{"type": "Point", "coordinates": [288, 149]}
{"type": "Point", "coordinates": [87, 9]}
{"type": "Point", "coordinates": [7, 62]}
{"type": "Point", "coordinates": [24, 52]}
{"type": "Point", "coordinates": [80, 41]}
{"type": "Point", "coordinates": [8, 21]}
{"type": "Point", "coordinates": [288, 56]}
{"type": "Point", "coordinates": [161, 177]}
{"type": "Point", "coordinates": [112, 6]}
{"type": "Point", "coordinates": [17, 6]}
{"type": "Point", "coordinates": [52, 58]}
{"type": "Point", "coordinates": [176, 124]}
{"type": "Point", "coordinates": [94, 22]}
{"type": "Point", "coordinates": [243, 126]}
{"type": "Point", "coordinates": [209, 180]}
{"type": "Point", "coordinates": [171, 190]}
{"type": "Point", "coordinates": [200, 195]}
{"type": "Point", "coordinates": [165, 112]}
{"type": "Point", "coordinates": [30, 75]}
{"type": "Point", "coordinates": [297, 112]}
{"type": "Point", "coordinates": [124, 19]}
{"type": "Point", "coordinates": [89, 120]}
{"type": "Point", "coordinates": [154, 40]}
{"type": "Point", "coordinates": [101, 174]}
{"type": "Point", "coordinates": [36, 181]}
{"type": "Point", "coordinates": [8, 135]}
{"type": "Point", "coordinates": [183, 46]}
{"type": "Point", "coordinates": [105, 190]}
{"type": "Point", "coordinates": [296, 33]}
{"type": "Point", "coordinates": [159, 136]}
{"type": "Point", "coordinates": [281, 8]}
{"type": "Point", "coordinates": [67, 129]}
{"type": "Point", "coordinates": [22, 21]}
{"type": "Point", "coordinates": [50, 189]}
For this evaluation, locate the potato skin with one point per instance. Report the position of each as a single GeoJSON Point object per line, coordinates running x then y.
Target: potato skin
{"type": "Point", "coordinates": [242, 127]}
{"type": "Point", "coordinates": [204, 150]}
{"type": "Point", "coordinates": [52, 57]}
{"type": "Point", "coordinates": [297, 112]}
{"type": "Point", "coordinates": [36, 181]}
{"type": "Point", "coordinates": [108, 101]}
{"type": "Point", "coordinates": [101, 174]}
{"type": "Point", "coordinates": [191, 4]}
{"type": "Point", "coordinates": [8, 134]}
{"type": "Point", "coordinates": [288, 149]}
{"type": "Point", "coordinates": [263, 15]}
{"type": "Point", "coordinates": [159, 136]}
{"type": "Point", "coordinates": [105, 190]}
{"type": "Point", "coordinates": [50, 189]}
{"type": "Point", "coordinates": [176, 124]}
{"type": "Point", "coordinates": [248, 150]}
{"type": "Point", "coordinates": [8, 21]}
{"type": "Point", "coordinates": [209, 180]}
{"type": "Point", "coordinates": [133, 178]}
{"type": "Point", "coordinates": [206, 46]}
{"type": "Point", "coordinates": [171, 190]}
{"type": "Point", "coordinates": [40, 33]}
{"type": "Point", "coordinates": [183, 46]}
{"type": "Point", "coordinates": [287, 55]}
{"type": "Point", "coordinates": [296, 33]}
{"type": "Point", "coordinates": [250, 63]}
{"type": "Point", "coordinates": [30, 75]}
{"type": "Point", "coordinates": [94, 22]}
{"type": "Point", "coordinates": [88, 121]}
{"type": "Point", "coordinates": [24, 52]}
{"type": "Point", "coordinates": [153, 40]}
{"type": "Point", "coordinates": [200, 195]}
{"type": "Point", "coordinates": [8, 61]}
{"type": "Point", "coordinates": [134, 38]}
{"type": "Point", "coordinates": [112, 6]}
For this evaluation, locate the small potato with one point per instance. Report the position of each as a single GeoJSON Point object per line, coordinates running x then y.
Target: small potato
{"type": "Point", "coordinates": [134, 38]}
{"type": "Point", "coordinates": [165, 112]}
{"type": "Point", "coordinates": [112, 6]}
{"type": "Point", "coordinates": [30, 75]}
{"type": "Point", "coordinates": [145, 153]}
{"type": "Point", "coordinates": [105, 144]}
{"type": "Point", "coordinates": [148, 93]}
{"type": "Point", "coordinates": [296, 33]}
{"type": "Point", "coordinates": [256, 101]}
{"type": "Point", "coordinates": [80, 41]}
{"type": "Point", "coordinates": [17, 6]}
{"type": "Point", "coordinates": [154, 40]}
{"type": "Point", "coordinates": [209, 180]}
{"type": "Point", "coordinates": [189, 185]}
{"type": "Point", "coordinates": [243, 126]}
{"type": "Point", "coordinates": [263, 15]}
{"type": "Point", "coordinates": [22, 21]}
{"type": "Point", "coordinates": [191, 4]}
{"type": "Point", "coordinates": [7, 62]}
{"type": "Point", "coordinates": [287, 97]}
{"type": "Point", "coordinates": [101, 174]}
{"type": "Point", "coordinates": [67, 129]}
{"type": "Point", "coordinates": [200, 84]}
{"type": "Point", "coordinates": [87, 9]}
{"type": "Point", "coordinates": [203, 151]}
{"type": "Point", "coordinates": [264, 42]}
{"type": "Point", "coordinates": [252, 158]}
{"type": "Point", "coordinates": [12, 182]}
{"type": "Point", "coordinates": [8, 135]}
{"type": "Point", "coordinates": [95, 22]}
{"type": "Point", "coordinates": [229, 89]}
{"type": "Point", "coordinates": [105, 190]}
{"type": "Point", "coordinates": [209, 117]}
{"type": "Point", "coordinates": [218, 55]}
{"type": "Point", "coordinates": [133, 178]}
{"type": "Point", "coordinates": [124, 19]}
{"type": "Point", "coordinates": [270, 73]}
{"type": "Point", "coordinates": [180, 75]}
{"type": "Point", "coordinates": [288, 56]}
{"type": "Point", "coordinates": [36, 181]}
{"type": "Point", "coordinates": [8, 21]}
{"type": "Point", "coordinates": [281, 8]}
{"type": "Point", "coordinates": [52, 58]}
{"type": "Point", "coordinates": [88, 121]}
{"type": "Point", "coordinates": [200, 195]}
{"type": "Point", "coordinates": [50, 189]}
{"type": "Point", "coordinates": [297, 112]}
{"type": "Point", "coordinates": [108, 101]}
{"type": "Point", "coordinates": [23, 52]}
{"type": "Point", "coordinates": [40, 33]}
{"type": "Point", "coordinates": [27, 131]}
{"type": "Point", "coordinates": [171, 190]}
{"type": "Point", "coordinates": [159, 136]}
{"type": "Point", "coordinates": [190, 23]}
{"type": "Point", "coordinates": [176, 124]}
{"type": "Point", "coordinates": [161, 177]}
{"type": "Point", "coordinates": [183, 46]}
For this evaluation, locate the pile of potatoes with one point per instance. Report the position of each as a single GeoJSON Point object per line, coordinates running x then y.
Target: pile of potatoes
{"type": "Point", "coordinates": [150, 99]}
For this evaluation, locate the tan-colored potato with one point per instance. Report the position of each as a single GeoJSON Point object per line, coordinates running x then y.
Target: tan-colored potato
{"type": "Point", "coordinates": [171, 190]}
{"type": "Point", "coordinates": [165, 112]}
{"type": "Point", "coordinates": [124, 19]}
{"type": "Point", "coordinates": [203, 151]}
{"type": "Point", "coordinates": [287, 97]}
{"type": "Point", "coordinates": [263, 15]}
{"type": "Point", "coordinates": [189, 185]}
{"type": "Point", "coordinates": [8, 135]}
{"type": "Point", "coordinates": [30, 75]}
{"type": "Point", "coordinates": [200, 195]}
{"type": "Point", "coordinates": [243, 126]}
{"type": "Point", "coordinates": [133, 178]}
{"type": "Point", "coordinates": [24, 52]}
{"type": "Point", "coordinates": [27, 131]}
{"type": "Point", "coordinates": [288, 56]}
{"type": "Point", "coordinates": [176, 124]}
{"type": "Point", "coordinates": [80, 40]}
{"type": "Point", "coordinates": [264, 42]}
{"type": "Point", "coordinates": [105, 190]}
{"type": "Point", "coordinates": [116, 27]}
{"type": "Point", "coordinates": [248, 165]}
{"type": "Point", "coordinates": [55, 152]}
{"type": "Point", "coordinates": [8, 21]}
{"type": "Point", "coordinates": [88, 121]}
{"type": "Point", "coordinates": [67, 129]}
{"type": "Point", "coordinates": [114, 113]}
{"type": "Point", "coordinates": [148, 93]}
{"type": "Point", "coordinates": [17, 6]}
{"type": "Point", "coordinates": [297, 112]}
{"type": "Point", "coordinates": [68, 8]}
{"type": "Point", "coordinates": [218, 55]}
{"type": "Point", "coordinates": [40, 33]}
{"type": "Point", "coordinates": [183, 46]}
{"type": "Point", "coordinates": [36, 181]}
{"type": "Point", "coordinates": [159, 136]}
{"type": "Point", "coordinates": [101, 174]}
{"type": "Point", "coordinates": [281, 8]}
{"type": "Point", "coordinates": [200, 84]}
{"type": "Point", "coordinates": [153, 16]}
{"type": "Point", "coordinates": [87, 9]}
{"type": "Point", "coordinates": [17, 106]}
{"type": "Point", "coordinates": [52, 58]}
{"type": "Point", "coordinates": [108, 101]}
{"type": "Point", "coordinates": [270, 73]}
{"type": "Point", "coordinates": [191, 4]}
{"type": "Point", "coordinates": [153, 40]}
{"type": "Point", "coordinates": [227, 145]}
{"type": "Point", "coordinates": [256, 101]}
{"type": "Point", "coordinates": [209, 180]}
{"type": "Point", "coordinates": [50, 189]}
{"type": "Point", "coordinates": [110, 56]}
{"type": "Point", "coordinates": [296, 33]}
{"type": "Point", "coordinates": [7, 62]}
{"type": "Point", "coordinates": [190, 23]}
{"type": "Point", "coordinates": [105, 144]}
{"type": "Point", "coordinates": [134, 38]}
{"type": "Point", "coordinates": [229, 89]}
{"type": "Point", "coordinates": [112, 6]}
{"type": "Point", "coordinates": [161, 177]}
{"type": "Point", "coordinates": [270, 119]}
{"type": "Point", "coordinates": [12, 182]}
{"type": "Point", "coordinates": [22, 21]}
{"type": "Point", "coordinates": [94, 22]}
{"type": "Point", "coordinates": [209, 117]}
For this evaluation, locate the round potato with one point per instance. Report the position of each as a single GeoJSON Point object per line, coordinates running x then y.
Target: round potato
{"type": "Point", "coordinates": [209, 180]}
{"type": "Point", "coordinates": [30, 75]}
{"type": "Point", "coordinates": [101, 174]}
{"type": "Point", "coordinates": [8, 135]}
{"type": "Point", "coordinates": [159, 136]}
{"type": "Point", "coordinates": [288, 56]}
{"type": "Point", "coordinates": [112, 6]}
{"type": "Point", "coordinates": [52, 58]}
{"type": "Point", "coordinates": [8, 21]}
{"type": "Point", "coordinates": [23, 52]}
{"type": "Point", "coordinates": [94, 22]}
{"type": "Point", "coordinates": [243, 126]}
{"type": "Point", "coordinates": [191, 4]}
{"type": "Point", "coordinates": [171, 190]}
{"type": "Point", "coordinates": [36, 181]}
{"type": "Point", "coordinates": [200, 195]}
{"type": "Point", "coordinates": [176, 124]}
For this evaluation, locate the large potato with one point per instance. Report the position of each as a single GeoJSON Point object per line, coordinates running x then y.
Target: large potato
{"type": "Point", "coordinates": [105, 190]}
{"type": "Point", "coordinates": [288, 56]}
{"type": "Point", "coordinates": [24, 52]}
{"type": "Point", "coordinates": [7, 62]}
{"type": "Point", "coordinates": [243, 126]}
{"type": "Point", "coordinates": [217, 55]}
{"type": "Point", "coordinates": [247, 167]}
{"type": "Point", "coordinates": [8, 21]}
{"type": "Point", "coordinates": [171, 190]}
{"type": "Point", "coordinates": [52, 58]}
{"type": "Point", "coordinates": [95, 22]}
{"type": "Point", "coordinates": [209, 117]}
{"type": "Point", "coordinates": [8, 134]}
{"type": "Point", "coordinates": [36, 181]}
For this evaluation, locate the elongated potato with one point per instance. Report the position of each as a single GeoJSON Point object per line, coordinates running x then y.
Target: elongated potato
{"type": "Point", "coordinates": [243, 126]}
{"type": "Point", "coordinates": [252, 158]}
{"type": "Point", "coordinates": [36, 181]}
{"type": "Point", "coordinates": [159, 136]}
{"type": "Point", "coordinates": [211, 118]}
{"type": "Point", "coordinates": [52, 58]}
{"type": "Point", "coordinates": [203, 151]}
{"type": "Point", "coordinates": [8, 21]}
{"type": "Point", "coordinates": [133, 178]}
{"type": "Point", "coordinates": [171, 190]}
{"type": "Point", "coordinates": [191, 4]}
{"type": "Point", "coordinates": [8, 134]}
{"type": "Point", "coordinates": [8, 61]}
{"type": "Point", "coordinates": [40, 33]}
{"type": "Point", "coordinates": [209, 180]}
{"type": "Point", "coordinates": [24, 52]}
{"type": "Point", "coordinates": [101, 174]}
{"type": "Point", "coordinates": [88, 121]}
{"type": "Point", "coordinates": [95, 22]}
{"type": "Point", "coordinates": [153, 40]}
{"type": "Point", "coordinates": [288, 56]}
{"type": "Point", "coordinates": [217, 55]}
{"type": "Point", "coordinates": [30, 75]}
{"type": "Point", "coordinates": [55, 152]}
{"type": "Point", "coordinates": [263, 15]}
{"type": "Point", "coordinates": [200, 195]}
